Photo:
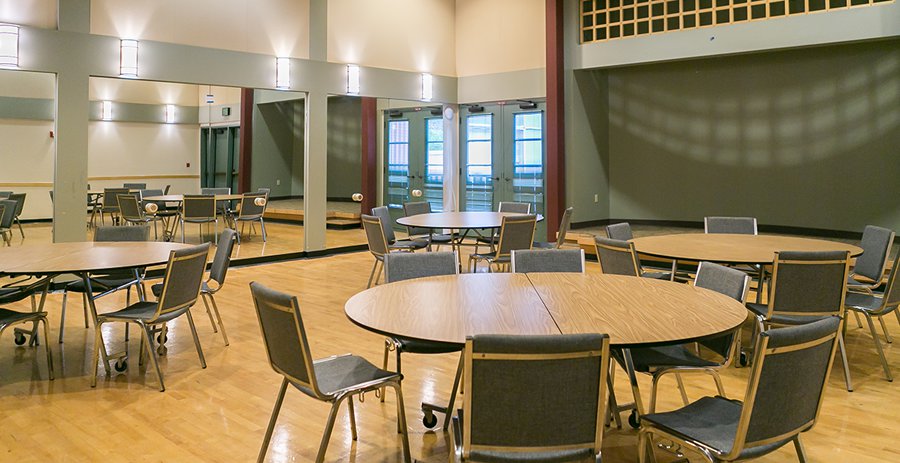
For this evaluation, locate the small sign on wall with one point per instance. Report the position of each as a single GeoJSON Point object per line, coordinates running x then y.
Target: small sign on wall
{"type": "Point", "coordinates": [226, 111]}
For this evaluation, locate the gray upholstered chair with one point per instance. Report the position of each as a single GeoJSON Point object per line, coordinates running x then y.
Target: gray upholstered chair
{"type": "Point", "coordinates": [678, 359]}
{"type": "Point", "coordinates": [216, 280]}
{"type": "Point", "coordinates": [399, 266]}
{"type": "Point", "coordinates": [561, 233]}
{"type": "Point", "coordinates": [731, 225]}
{"type": "Point", "coordinates": [806, 287]}
{"type": "Point", "coordinates": [332, 380]}
{"type": "Point", "coordinates": [264, 190]}
{"type": "Point", "coordinates": [163, 210]}
{"type": "Point", "coordinates": [135, 186]}
{"type": "Point", "coordinates": [109, 282]}
{"type": "Point", "coordinates": [533, 399]}
{"type": "Point", "coordinates": [11, 317]}
{"type": "Point", "coordinates": [618, 257]}
{"type": "Point", "coordinates": [5, 194]}
{"type": "Point", "coordinates": [223, 207]}
{"type": "Point", "coordinates": [547, 260]}
{"type": "Point", "coordinates": [619, 231]}
{"type": "Point", "coordinates": [181, 288]}
{"type": "Point", "coordinates": [19, 198]}
{"type": "Point", "coordinates": [516, 232]}
{"type": "Point", "coordinates": [873, 306]}
{"type": "Point", "coordinates": [876, 244]}
{"type": "Point", "coordinates": [7, 215]}
{"type": "Point", "coordinates": [110, 204]}
{"type": "Point", "coordinates": [783, 399]}
{"type": "Point", "coordinates": [252, 212]}
{"type": "Point", "coordinates": [199, 209]}
{"type": "Point", "coordinates": [377, 245]}
{"type": "Point", "coordinates": [130, 208]}
{"type": "Point", "coordinates": [424, 207]}
{"type": "Point", "coordinates": [503, 206]}
{"type": "Point", "coordinates": [383, 213]}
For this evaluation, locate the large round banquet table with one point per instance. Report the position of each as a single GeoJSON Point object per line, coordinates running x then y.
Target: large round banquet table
{"type": "Point", "coordinates": [632, 311]}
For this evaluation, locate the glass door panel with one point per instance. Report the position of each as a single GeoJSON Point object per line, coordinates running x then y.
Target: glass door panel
{"type": "Point", "coordinates": [398, 177]}
{"type": "Point", "coordinates": [528, 160]}
{"type": "Point", "coordinates": [479, 163]}
{"type": "Point", "coordinates": [434, 163]}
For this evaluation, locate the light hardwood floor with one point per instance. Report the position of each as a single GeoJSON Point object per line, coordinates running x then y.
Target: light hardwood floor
{"type": "Point", "coordinates": [219, 414]}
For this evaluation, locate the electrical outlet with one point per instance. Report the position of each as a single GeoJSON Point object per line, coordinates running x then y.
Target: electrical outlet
{"type": "Point", "coordinates": [596, 198]}
{"type": "Point", "coordinates": [278, 182]}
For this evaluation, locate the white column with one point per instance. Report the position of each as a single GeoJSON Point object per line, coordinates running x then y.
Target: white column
{"type": "Point", "coordinates": [451, 158]}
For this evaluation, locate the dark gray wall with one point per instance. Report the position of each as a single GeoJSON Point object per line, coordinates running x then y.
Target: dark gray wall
{"type": "Point", "coordinates": [277, 134]}
{"type": "Point", "coordinates": [344, 148]}
{"type": "Point", "coordinates": [806, 138]}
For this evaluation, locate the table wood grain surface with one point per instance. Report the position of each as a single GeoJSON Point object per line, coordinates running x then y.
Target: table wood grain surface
{"type": "Point", "coordinates": [86, 256]}
{"type": "Point", "coordinates": [458, 220]}
{"type": "Point", "coordinates": [730, 248]}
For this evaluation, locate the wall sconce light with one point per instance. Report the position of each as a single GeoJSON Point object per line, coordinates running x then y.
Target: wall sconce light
{"type": "Point", "coordinates": [9, 45]}
{"type": "Point", "coordinates": [106, 110]}
{"type": "Point", "coordinates": [282, 73]}
{"type": "Point", "coordinates": [170, 114]}
{"type": "Point", "coordinates": [128, 58]}
{"type": "Point", "coordinates": [427, 87]}
{"type": "Point", "coordinates": [353, 79]}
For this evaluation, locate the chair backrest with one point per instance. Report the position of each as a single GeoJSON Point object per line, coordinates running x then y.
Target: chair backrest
{"type": "Point", "coordinates": [619, 231]}
{"type": "Point", "coordinates": [617, 257]}
{"type": "Point", "coordinates": [787, 383]}
{"type": "Point", "coordinates": [184, 274]}
{"type": "Point", "coordinates": [516, 232]}
{"type": "Point", "coordinates": [384, 214]}
{"type": "Point", "coordinates": [553, 388]}
{"type": "Point", "coordinates": [8, 214]}
{"type": "Point", "coordinates": [19, 198]}
{"type": "Point", "coordinates": [732, 225]}
{"type": "Point", "coordinates": [249, 209]}
{"type": "Point", "coordinates": [264, 190]}
{"type": "Point", "coordinates": [518, 208]}
{"type": "Point", "coordinates": [198, 207]}
{"type": "Point", "coordinates": [374, 235]}
{"type": "Point", "coordinates": [220, 205]}
{"type": "Point", "coordinates": [730, 282]}
{"type": "Point", "coordinates": [139, 233]}
{"type": "Point", "coordinates": [111, 198]}
{"type": "Point", "coordinates": [130, 208]}
{"type": "Point", "coordinates": [876, 243]}
{"type": "Point", "coordinates": [5, 194]}
{"type": "Point", "coordinates": [547, 260]}
{"type": "Point", "coordinates": [284, 335]}
{"type": "Point", "coordinates": [135, 186]}
{"type": "Point", "coordinates": [222, 259]}
{"type": "Point", "coordinates": [399, 266]}
{"type": "Point", "coordinates": [51, 196]}
{"type": "Point", "coordinates": [564, 224]}
{"type": "Point", "coordinates": [166, 189]}
{"type": "Point", "coordinates": [416, 208]}
{"type": "Point", "coordinates": [808, 283]}
{"type": "Point", "coordinates": [152, 192]}
{"type": "Point", "coordinates": [891, 297]}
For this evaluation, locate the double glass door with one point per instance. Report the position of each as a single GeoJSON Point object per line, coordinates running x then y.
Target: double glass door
{"type": "Point", "coordinates": [414, 170]}
{"type": "Point", "coordinates": [219, 157]}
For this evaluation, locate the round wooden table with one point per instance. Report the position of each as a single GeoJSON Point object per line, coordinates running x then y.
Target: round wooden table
{"type": "Point", "coordinates": [632, 311]}
{"type": "Point", "coordinates": [459, 220]}
{"type": "Point", "coordinates": [82, 259]}
{"type": "Point", "coordinates": [732, 249]}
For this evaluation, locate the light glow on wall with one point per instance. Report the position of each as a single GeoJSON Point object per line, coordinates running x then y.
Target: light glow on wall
{"type": "Point", "coordinates": [128, 58]}
{"type": "Point", "coordinates": [282, 73]}
{"type": "Point", "coordinates": [106, 110]}
{"type": "Point", "coordinates": [427, 87]}
{"type": "Point", "coordinates": [9, 45]}
{"type": "Point", "coordinates": [170, 114]}
{"type": "Point", "coordinates": [353, 79]}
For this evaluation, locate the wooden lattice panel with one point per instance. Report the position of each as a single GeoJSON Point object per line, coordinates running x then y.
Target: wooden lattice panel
{"type": "Point", "coordinates": [612, 19]}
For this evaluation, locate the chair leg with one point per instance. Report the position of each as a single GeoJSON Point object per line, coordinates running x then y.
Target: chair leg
{"type": "Point", "coordinates": [879, 348]}
{"type": "Point", "coordinates": [718, 379]}
{"type": "Point", "coordinates": [262, 226]}
{"type": "Point", "coordinates": [47, 346]}
{"type": "Point", "coordinates": [452, 402]}
{"type": "Point", "coordinates": [62, 315]}
{"type": "Point", "coordinates": [388, 346]}
{"type": "Point", "coordinates": [196, 339]}
{"type": "Point", "coordinates": [182, 230]}
{"type": "Point", "coordinates": [329, 426]}
{"type": "Point", "coordinates": [372, 274]}
{"type": "Point", "coordinates": [844, 362]}
{"type": "Point", "coordinates": [887, 335]}
{"type": "Point", "coordinates": [858, 321]}
{"type": "Point", "coordinates": [215, 307]}
{"type": "Point", "coordinates": [98, 341]}
{"type": "Point", "coordinates": [272, 419]}
{"type": "Point", "coordinates": [401, 422]}
{"type": "Point", "coordinates": [353, 433]}
{"type": "Point", "coordinates": [154, 358]}
{"type": "Point", "coordinates": [684, 396]}
{"type": "Point", "coordinates": [84, 307]}
{"type": "Point", "coordinates": [20, 227]}
{"type": "Point", "coordinates": [209, 312]}
{"type": "Point", "coordinates": [798, 446]}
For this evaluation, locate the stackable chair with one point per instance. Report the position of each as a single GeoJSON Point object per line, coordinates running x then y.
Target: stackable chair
{"type": "Point", "coordinates": [617, 257]}
{"type": "Point", "coordinates": [19, 198]}
{"type": "Point", "coordinates": [135, 186]}
{"type": "Point", "coordinates": [532, 399]}
{"type": "Point", "coordinates": [394, 244]}
{"type": "Point", "coordinates": [110, 204]}
{"type": "Point", "coordinates": [11, 317]}
{"type": "Point", "coordinates": [181, 288]}
{"type": "Point", "coordinates": [110, 282]}
{"type": "Point", "coordinates": [223, 207]}
{"type": "Point", "coordinates": [783, 398]}
{"type": "Point", "coordinates": [876, 244]}
{"type": "Point", "coordinates": [516, 232]}
{"type": "Point", "coordinates": [399, 266]}
{"type": "Point", "coordinates": [252, 212]}
{"type": "Point", "coordinates": [130, 208]}
{"type": "Point", "coordinates": [547, 260]}
{"type": "Point", "coordinates": [561, 233]}
{"type": "Point", "coordinates": [7, 216]}
{"type": "Point", "coordinates": [730, 225]}
{"type": "Point", "coordinates": [332, 380]}
{"type": "Point", "coordinates": [377, 245]}
{"type": "Point", "coordinates": [436, 239]}
{"type": "Point", "coordinates": [876, 306]}
{"type": "Point", "coordinates": [503, 206]}
{"type": "Point", "coordinates": [163, 211]}
{"type": "Point", "coordinates": [198, 209]}
{"type": "Point", "coordinates": [806, 287]}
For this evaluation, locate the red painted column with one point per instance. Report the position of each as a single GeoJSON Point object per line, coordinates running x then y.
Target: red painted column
{"type": "Point", "coordinates": [369, 154]}
{"type": "Point", "coordinates": [555, 137]}
{"type": "Point", "coordinates": [245, 147]}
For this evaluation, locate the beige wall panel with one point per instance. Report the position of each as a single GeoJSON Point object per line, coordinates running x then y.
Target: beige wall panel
{"type": "Point", "coordinates": [121, 149]}
{"type": "Point", "coordinates": [494, 36]}
{"type": "Point", "coordinates": [27, 155]}
{"type": "Point", "coordinates": [221, 95]}
{"type": "Point", "coordinates": [144, 92]}
{"type": "Point", "coordinates": [34, 13]}
{"type": "Point", "coordinates": [23, 84]}
{"type": "Point", "coordinates": [273, 27]}
{"type": "Point", "coordinates": [409, 35]}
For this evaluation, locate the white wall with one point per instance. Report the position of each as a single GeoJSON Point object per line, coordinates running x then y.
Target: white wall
{"type": "Point", "coordinates": [409, 35]}
{"type": "Point", "coordinates": [34, 13]}
{"type": "Point", "coordinates": [223, 97]}
{"type": "Point", "coordinates": [272, 27]}
{"type": "Point", "coordinates": [27, 155]}
{"type": "Point", "coordinates": [494, 36]}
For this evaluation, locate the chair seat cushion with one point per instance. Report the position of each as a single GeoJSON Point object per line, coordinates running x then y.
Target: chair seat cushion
{"type": "Point", "coordinates": [99, 284]}
{"type": "Point", "coordinates": [441, 238]}
{"type": "Point", "coordinates": [657, 275]}
{"type": "Point", "coordinates": [336, 374]}
{"type": "Point", "coordinates": [11, 316]}
{"type": "Point", "coordinates": [142, 310]}
{"type": "Point", "coordinates": [415, 346]}
{"type": "Point", "coordinates": [761, 310]}
{"type": "Point", "coordinates": [14, 294]}
{"type": "Point", "coordinates": [409, 244]}
{"type": "Point", "coordinates": [158, 287]}
{"type": "Point", "coordinates": [648, 358]}
{"type": "Point", "coordinates": [862, 302]}
{"type": "Point", "coordinates": [543, 245]}
{"type": "Point", "coordinates": [491, 257]}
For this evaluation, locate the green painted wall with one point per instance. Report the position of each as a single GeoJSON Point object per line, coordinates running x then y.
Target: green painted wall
{"type": "Point", "coordinates": [805, 138]}
{"type": "Point", "coordinates": [277, 140]}
{"type": "Point", "coordinates": [344, 148]}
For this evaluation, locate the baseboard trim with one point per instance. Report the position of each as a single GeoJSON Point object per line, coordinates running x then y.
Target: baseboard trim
{"type": "Point", "coordinates": [764, 228]}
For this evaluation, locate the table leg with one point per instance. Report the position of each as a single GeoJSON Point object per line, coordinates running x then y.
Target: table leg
{"type": "Point", "coordinates": [759, 283]}
{"type": "Point", "coordinates": [674, 269]}
{"type": "Point", "coordinates": [632, 379]}
{"type": "Point", "coordinates": [93, 308]}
